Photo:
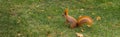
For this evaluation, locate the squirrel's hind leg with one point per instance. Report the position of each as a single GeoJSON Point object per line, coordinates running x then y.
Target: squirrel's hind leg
{"type": "Point", "coordinates": [73, 25]}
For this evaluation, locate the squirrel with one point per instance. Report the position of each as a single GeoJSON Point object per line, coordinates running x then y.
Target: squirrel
{"type": "Point", "coordinates": [79, 22]}
{"type": "Point", "coordinates": [70, 19]}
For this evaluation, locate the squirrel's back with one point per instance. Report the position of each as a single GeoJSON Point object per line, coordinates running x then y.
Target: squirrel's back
{"type": "Point", "coordinates": [71, 19]}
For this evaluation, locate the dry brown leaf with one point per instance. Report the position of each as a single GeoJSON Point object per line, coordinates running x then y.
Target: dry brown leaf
{"type": "Point", "coordinates": [82, 9]}
{"type": "Point", "coordinates": [49, 17]}
{"type": "Point", "coordinates": [61, 33]}
{"type": "Point", "coordinates": [19, 34]}
{"type": "Point", "coordinates": [79, 35]}
{"type": "Point", "coordinates": [42, 10]}
{"type": "Point", "coordinates": [82, 30]}
{"type": "Point", "coordinates": [98, 18]}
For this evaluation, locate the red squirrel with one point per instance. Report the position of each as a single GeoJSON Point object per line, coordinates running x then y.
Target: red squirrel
{"type": "Point", "coordinates": [79, 22]}
{"type": "Point", "coordinates": [70, 19]}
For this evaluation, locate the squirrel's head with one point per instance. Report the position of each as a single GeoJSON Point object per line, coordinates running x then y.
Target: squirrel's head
{"type": "Point", "coordinates": [65, 12]}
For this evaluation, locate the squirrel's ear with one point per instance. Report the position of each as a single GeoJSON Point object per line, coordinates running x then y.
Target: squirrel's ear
{"type": "Point", "coordinates": [66, 11]}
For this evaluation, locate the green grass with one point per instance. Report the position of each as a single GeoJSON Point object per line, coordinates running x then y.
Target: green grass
{"type": "Point", "coordinates": [38, 18]}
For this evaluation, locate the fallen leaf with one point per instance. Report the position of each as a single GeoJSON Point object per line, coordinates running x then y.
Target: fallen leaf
{"type": "Point", "coordinates": [49, 17]}
{"type": "Point", "coordinates": [79, 35]}
{"type": "Point", "coordinates": [19, 34]}
{"type": "Point", "coordinates": [42, 10]}
{"type": "Point", "coordinates": [98, 18]}
{"type": "Point", "coordinates": [82, 30]}
{"type": "Point", "coordinates": [61, 33]}
{"type": "Point", "coordinates": [82, 9]}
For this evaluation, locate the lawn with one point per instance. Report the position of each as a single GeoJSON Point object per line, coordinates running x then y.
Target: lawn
{"type": "Point", "coordinates": [43, 18]}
